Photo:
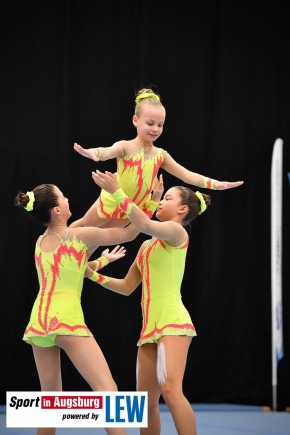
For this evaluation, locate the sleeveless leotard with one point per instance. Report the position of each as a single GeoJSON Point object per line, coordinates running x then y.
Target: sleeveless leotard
{"type": "Point", "coordinates": [57, 308]}
{"type": "Point", "coordinates": [136, 176]}
{"type": "Point", "coordinates": [162, 267]}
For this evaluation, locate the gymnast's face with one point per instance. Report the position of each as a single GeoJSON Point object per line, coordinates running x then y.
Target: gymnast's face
{"type": "Point", "coordinates": [150, 122]}
{"type": "Point", "coordinates": [169, 206]}
{"type": "Point", "coordinates": [63, 204]}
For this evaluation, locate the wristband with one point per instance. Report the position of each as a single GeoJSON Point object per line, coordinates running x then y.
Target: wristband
{"type": "Point", "coordinates": [125, 203]}
{"type": "Point", "coordinates": [101, 262]}
{"type": "Point", "coordinates": [150, 208]}
{"type": "Point", "coordinates": [99, 278]}
{"type": "Point", "coordinates": [209, 183]}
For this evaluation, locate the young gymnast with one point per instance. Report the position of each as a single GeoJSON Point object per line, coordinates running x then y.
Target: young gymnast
{"type": "Point", "coordinates": [138, 163]}
{"type": "Point", "coordinates": [167, 328]}
{"type": "Point", "coordinates": [57, 320]}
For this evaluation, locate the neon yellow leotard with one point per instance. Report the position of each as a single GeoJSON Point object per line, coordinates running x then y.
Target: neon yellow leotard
{"type": "Point", "coordinates": [162, 267]}
{"type": "Point", "coordinates": [136, 176]}
{"type": "Point", "coordinates": [57, 308]}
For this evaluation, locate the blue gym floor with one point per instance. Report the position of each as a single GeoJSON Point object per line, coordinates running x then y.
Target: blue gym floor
{"type": "Point", "coordinates": [211, 420]}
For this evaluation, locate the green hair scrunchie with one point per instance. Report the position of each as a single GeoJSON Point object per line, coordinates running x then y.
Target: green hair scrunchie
{"type": "Point", "coordinates": [202, 202]}
{"type": "Point", "coordinates": [29, 206]}
{"type": "Point", "coordinates": [146, 95]}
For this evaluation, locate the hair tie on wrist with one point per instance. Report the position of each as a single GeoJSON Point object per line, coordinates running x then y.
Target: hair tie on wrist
{"type": "Point", "coordinates": [29, 205]}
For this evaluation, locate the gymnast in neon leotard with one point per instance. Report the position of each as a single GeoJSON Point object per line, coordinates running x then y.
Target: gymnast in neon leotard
{"type": "Point", "coordinates": [57, 320]}
{"type": "Point", "coordinates": [167, 328]}
{"type": "Point", "coordinates": [140, 168]}
{"type": "Point", "coordinates": [138, 163]}
{"type": "Point", "coordinates": [57, 309]}
{"type": "Point", "coordinates": [161, 267]}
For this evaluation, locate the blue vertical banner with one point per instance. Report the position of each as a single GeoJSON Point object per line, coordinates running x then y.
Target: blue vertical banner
{"type": "Point", "coordinates": [276, 262]}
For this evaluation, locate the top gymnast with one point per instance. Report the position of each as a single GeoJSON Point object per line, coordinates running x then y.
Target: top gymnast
{"type": "Point", "coordinates": [138, 163]}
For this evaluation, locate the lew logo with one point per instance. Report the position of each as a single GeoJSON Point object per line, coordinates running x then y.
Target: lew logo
{"type": "Point", "coordinates": [79, 410]}
{"type": "Point", "coordinates": [127, 408]}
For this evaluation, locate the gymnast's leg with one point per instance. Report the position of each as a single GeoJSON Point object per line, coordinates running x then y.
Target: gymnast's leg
{"type": "Point", "coordinates": [47, 360]}
{"type": "Point", "coordinates": [87, 357]}
{"type": "Point", "coordinates": [171, 361]}
{"type": "Point", "coordinates": [147, 381]}
{"type": "Point", "coordinates": [90, 219]}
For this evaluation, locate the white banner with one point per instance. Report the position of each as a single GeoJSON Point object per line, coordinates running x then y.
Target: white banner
{"type": "Point", "coordinates": [276, 258]}
{"type": "Point", "coordinates": [76, 409]}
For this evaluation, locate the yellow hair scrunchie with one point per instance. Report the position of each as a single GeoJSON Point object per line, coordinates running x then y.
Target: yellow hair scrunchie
{"type": "Point", "coordinates": [146, 95]}
{"type": "Point", "coordinates": [29, 205]}
{"type": "Point", "coordinates": [202, 202]}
